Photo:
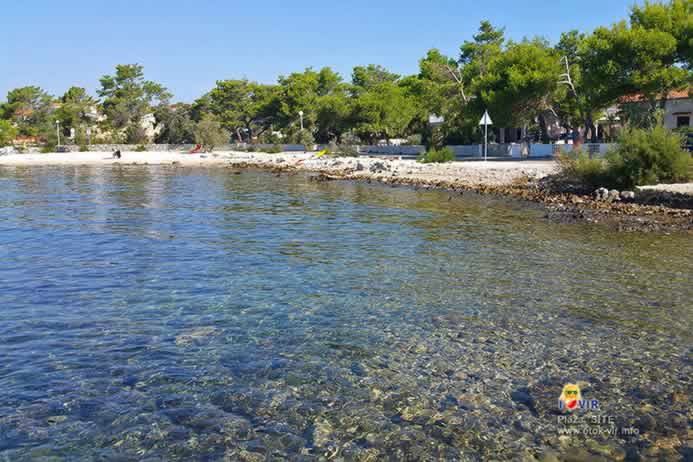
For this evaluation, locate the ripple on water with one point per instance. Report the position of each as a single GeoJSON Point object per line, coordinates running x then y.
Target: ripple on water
{"type": "Point", "coordinates": [182, 314]}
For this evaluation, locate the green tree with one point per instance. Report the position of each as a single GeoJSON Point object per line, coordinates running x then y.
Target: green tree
{"type": "Point", "coordinates": [209, 133]}
{"type": "Point", "coordinates": [128, 98]}
{"type": "Point", "coordinates": [675, 18]}
{"type": "Point", "coordinates": [299, 91]}
{"type": "Point", "coordinates": [366, 77]}
{"type": "Point", "coordinates": [438, 89]}
{"type": "Point", "coordinates": [333, 117]}
{"type": "Point", "coordinates": [622, 60]}
{"type": "Point", "coordinates": [30, 109]}
{"type": "Point", "coordinates": [176, 124]}
{"type": "Point", "coordinates": [76, 111]}
{"type": "Point", "coordinates": [476, 55]}
{"type": "Point", "coordinates": [8, 132]}
{"type": "Point", "coordinates": [520, 84]}
{"type": "Point", "coordinates": [323, 99]}
{"type": "Point", "coordinates": [247, 109]}
{"type": "Point", "coordinates": [383, 111]}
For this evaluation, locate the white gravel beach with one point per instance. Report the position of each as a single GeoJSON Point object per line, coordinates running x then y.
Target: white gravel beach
{"type": "Point", "coordinates": [473, 173]}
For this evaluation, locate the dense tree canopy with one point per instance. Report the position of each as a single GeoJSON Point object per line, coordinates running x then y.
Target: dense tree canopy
{"type": "Point", "coordinates": [523, 84]}
{"type": "Point", "coordinates": [246, 109]}
{"type": "Point", "coordinates": [29, 108]}
{"type": "Point", "coordinates": [127, 97]}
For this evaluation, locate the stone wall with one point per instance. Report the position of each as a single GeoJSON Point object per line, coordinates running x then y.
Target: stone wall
{"type": "Point", "coordinates": [133, 147]}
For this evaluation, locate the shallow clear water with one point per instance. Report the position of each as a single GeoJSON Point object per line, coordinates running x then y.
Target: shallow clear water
{"type": "Point", "coordinates": [163, 313]}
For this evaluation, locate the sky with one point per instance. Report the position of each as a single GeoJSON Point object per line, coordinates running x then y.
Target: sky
{"type": "Point", "coordinates": [187, 45]}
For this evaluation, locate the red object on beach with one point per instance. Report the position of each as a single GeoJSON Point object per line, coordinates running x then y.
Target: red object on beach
{"type": "Point", "coordinates": [197, 149]}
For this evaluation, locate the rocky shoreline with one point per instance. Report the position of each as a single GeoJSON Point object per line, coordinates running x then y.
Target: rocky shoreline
{"type": "Point", "coordinates": [648, 211]}
{"type": "Point", "coordinates": [665, 208]}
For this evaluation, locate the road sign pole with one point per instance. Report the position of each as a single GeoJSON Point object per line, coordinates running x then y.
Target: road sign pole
{"type": "Point", "coordinates": [486, 121]}
{"type": "Point", "coordinates": [485, 142]}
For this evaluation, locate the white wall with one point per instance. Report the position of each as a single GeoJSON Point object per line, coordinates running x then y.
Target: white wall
{"type": "Point", "coordinates": [467, 150]}
{"type": "Point", "coordinates": [392, 150]}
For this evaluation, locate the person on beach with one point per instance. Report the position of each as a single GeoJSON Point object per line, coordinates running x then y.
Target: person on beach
{"type": "Point", "coordinates": [116, 154]}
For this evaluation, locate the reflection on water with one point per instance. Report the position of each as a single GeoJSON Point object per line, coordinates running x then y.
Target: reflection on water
{"type": "Point", "coordinates": [174, 314]}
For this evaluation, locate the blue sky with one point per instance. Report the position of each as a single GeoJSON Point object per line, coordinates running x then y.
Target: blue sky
{"type": "Point", "coordinates": [189, 44]}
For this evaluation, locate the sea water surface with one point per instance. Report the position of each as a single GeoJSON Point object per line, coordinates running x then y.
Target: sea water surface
{"type": "Point", "coordinates": [171, 313]}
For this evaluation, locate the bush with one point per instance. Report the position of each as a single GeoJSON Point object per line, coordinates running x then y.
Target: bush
{"type": "Point", "coordinates": [577, 166]}
{"type": "Point", "coordinates": [141, 148]}
{"type": "Point", "coordinates": [7, 132]}
{"type": "Point", "coordinates": [642, 157]}
{"type": "Point", "coordinates": [48, 148]}
{"type": "Point", "coordinates": [647, 156]}
{"type": "Point", "coordinates": [346, 150]}
{"type": "Point", "coordinates": [83, 148]}
{"type": "Point", "coordinates": [209, 134]}
{"type": "Point", "coordinates": [135, 134]}
{"type": "Point", "coordinates": [437, 156]}
{"type": "Point", "coordinates": [306, 139]}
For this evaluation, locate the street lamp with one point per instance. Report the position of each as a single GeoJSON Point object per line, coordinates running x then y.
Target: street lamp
{"type": "Point", "coordinates": [300, 113]}
{"type": "Point", "coordinates": [57, 130]}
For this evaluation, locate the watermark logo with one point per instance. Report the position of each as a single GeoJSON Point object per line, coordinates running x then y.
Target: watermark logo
{"type": "Point", "coordinates": [591, 423]}
{"type": "Point", "coordinates": [571, 399]}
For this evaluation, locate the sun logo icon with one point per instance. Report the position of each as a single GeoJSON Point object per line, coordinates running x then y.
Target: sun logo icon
{"type": "Point", "coordinates": [570, 397]}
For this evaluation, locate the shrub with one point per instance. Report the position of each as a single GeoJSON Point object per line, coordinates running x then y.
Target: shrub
{"type": "Point", "coordinates": [7, 132]}
{"type": "Point", "coordinates": [209, 134]}
{"type": "Point", "coordinates": [306, 139]}
{"type": "Point", "coordinates": [438, 156]}
{"type": "Point", "coordinates": [641, 157]}
{"type": "Point", "coordinates": [578, 167]}
{"type": "Point", "coordinates": [141, 148]}
{"type": "Point", "coordinates": [346, 150]}
{"type": "Point", "coordinates": [135, 134]}
{"type": "Point", "coordinates": [48, 148]}
{"type": "Point", "coordinates": [647, 156]}
{"type": "Point", "coordinates": [83, 148]}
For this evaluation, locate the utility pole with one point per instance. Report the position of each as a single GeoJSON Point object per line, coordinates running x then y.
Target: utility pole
{"type": "Point", "coordinates": [300, 113]}
{"type": "Point", "coordinates": [57, 130]}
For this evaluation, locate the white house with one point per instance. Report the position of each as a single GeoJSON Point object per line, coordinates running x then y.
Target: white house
{"type": "Point", "coordinates": [678, 109]}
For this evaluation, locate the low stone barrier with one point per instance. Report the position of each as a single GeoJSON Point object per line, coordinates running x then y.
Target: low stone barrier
{"type": "Point", "coordinates": [405, 150]}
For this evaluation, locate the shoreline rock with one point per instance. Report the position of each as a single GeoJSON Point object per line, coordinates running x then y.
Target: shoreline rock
{"type": "Point", "coordinates": [626, 213]}
{"type": "Point", "coordinates": [660, 209]}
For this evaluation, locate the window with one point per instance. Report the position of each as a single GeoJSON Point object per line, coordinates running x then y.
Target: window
{"type": "Point", "coordinates": [683, 121]}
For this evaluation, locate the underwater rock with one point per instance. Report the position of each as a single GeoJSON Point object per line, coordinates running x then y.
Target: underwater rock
{"type": "Point", "coordinates": [322, 432]}
{"type": "Point", "coordinates": [188, 338]}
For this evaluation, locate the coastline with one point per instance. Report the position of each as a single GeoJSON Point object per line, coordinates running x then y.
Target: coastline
{"type": "Point", "coordinates": [661, 209]}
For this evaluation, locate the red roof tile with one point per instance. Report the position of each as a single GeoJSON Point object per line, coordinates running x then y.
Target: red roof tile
{"type": "Point", "coordinates": [674, 94]}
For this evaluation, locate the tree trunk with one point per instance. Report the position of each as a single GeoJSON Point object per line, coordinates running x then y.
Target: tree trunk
{"type": "Point", "coordinates": [543, 129]}
{"type": "Point", "coordinates": [589, 125]}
